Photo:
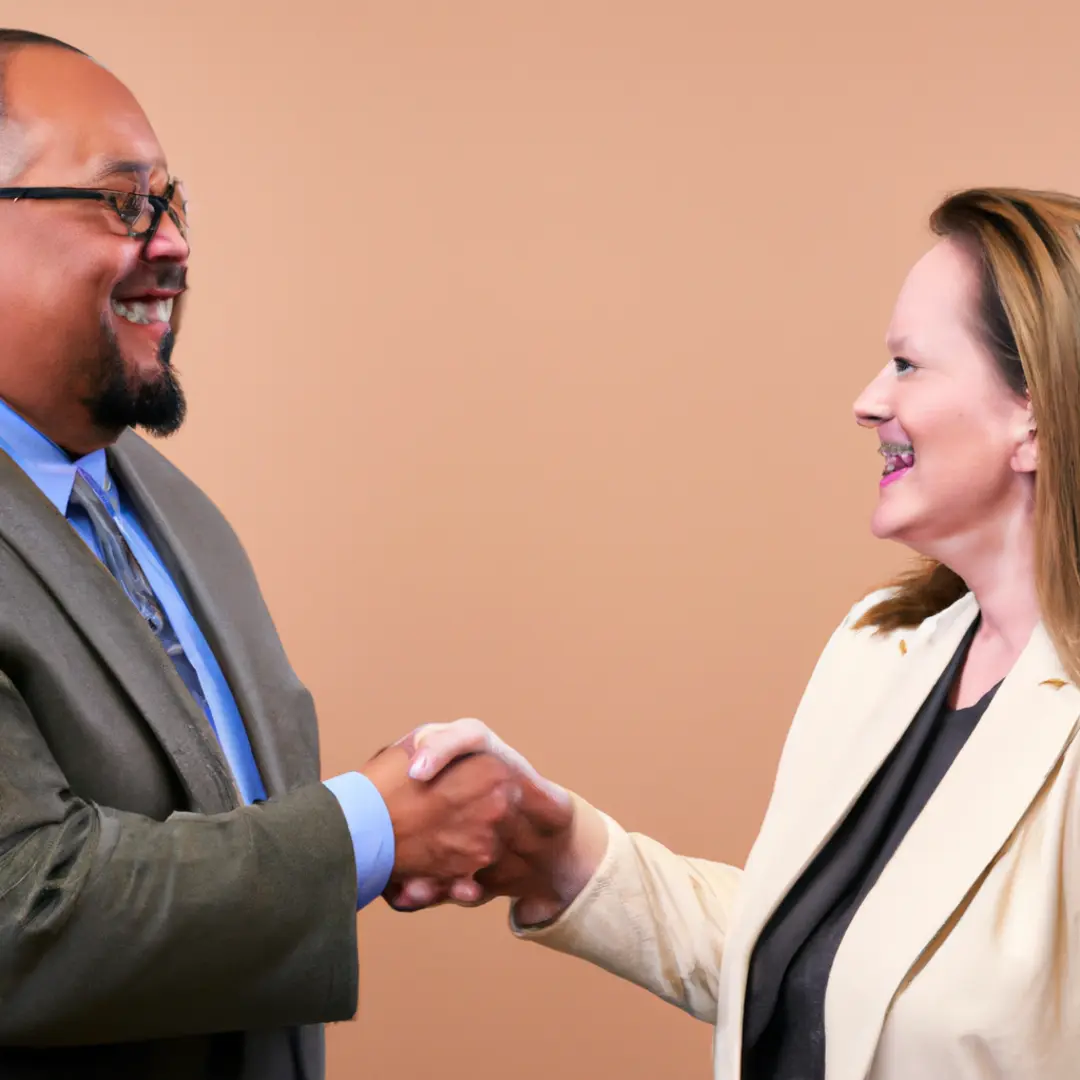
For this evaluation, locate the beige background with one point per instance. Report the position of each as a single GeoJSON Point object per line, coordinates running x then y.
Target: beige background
{"type": "Point", "coordinates": [521, 354]}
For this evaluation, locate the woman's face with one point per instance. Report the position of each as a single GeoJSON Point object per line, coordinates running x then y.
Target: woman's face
{"type": "Point", "coordinates": [958, 445]}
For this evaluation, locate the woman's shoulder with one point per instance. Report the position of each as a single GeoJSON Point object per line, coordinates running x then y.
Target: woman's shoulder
{"type": "Point", "coordinates": [866, 604]}
{"type": "Point", "coordinates": [860, 630]}
{"type": "Point", "coordinates": [856, 629]}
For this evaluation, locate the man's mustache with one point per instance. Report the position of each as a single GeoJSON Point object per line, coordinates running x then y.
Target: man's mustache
{"type": "Point", "coordinates": [170, 277]}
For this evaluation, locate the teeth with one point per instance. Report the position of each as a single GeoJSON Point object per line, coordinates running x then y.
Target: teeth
{"type": "Point", "coordinates": [144, 312]}
{"type": "Point", "coordinates": [897, 456]}
{"type": "Point", "coordinates": [888, 449]}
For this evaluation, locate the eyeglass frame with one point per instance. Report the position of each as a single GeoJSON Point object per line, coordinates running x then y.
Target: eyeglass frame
{"type": "Point", "coordinates": [160, 204]}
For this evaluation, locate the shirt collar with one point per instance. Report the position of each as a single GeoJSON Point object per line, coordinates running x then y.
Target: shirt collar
{"type": "Point", "coordinates": [49, 467]}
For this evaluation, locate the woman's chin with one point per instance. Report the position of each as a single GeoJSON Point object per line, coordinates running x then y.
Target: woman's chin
{"type": "Point", "coordinates": [887, 524]}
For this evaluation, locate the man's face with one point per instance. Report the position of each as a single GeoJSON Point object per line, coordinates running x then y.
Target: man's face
{"type": "Point", "coordinates": [89, 313]}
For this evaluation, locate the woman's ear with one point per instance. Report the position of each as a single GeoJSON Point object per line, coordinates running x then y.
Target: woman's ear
{"type": "Point", "coordinates": [1026, 454]}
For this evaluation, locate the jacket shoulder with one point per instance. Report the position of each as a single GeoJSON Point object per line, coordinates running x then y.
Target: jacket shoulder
{"type": "Point", "coordinates": [862, 606]}
{"type": "Point", "coordinates": [848, 631]}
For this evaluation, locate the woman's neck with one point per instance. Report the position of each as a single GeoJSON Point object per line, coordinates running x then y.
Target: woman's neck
{"type": "Point", "coordinates": [998, 566]}
{"type": "Point", "coordinates": [999, 569]}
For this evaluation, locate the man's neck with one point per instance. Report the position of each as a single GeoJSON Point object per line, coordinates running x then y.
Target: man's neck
{"type": "Point", "coordinates": [74, 435]}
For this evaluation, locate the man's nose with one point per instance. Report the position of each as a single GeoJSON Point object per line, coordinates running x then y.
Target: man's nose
{"type": "Point", "coordinates": [167, 244]}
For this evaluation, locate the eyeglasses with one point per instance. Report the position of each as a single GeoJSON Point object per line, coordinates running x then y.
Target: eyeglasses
{"type": "Point", "coordinates": [140, 213]}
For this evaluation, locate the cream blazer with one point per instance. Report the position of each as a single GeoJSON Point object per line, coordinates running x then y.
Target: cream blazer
{"type": "Point", "coordinates": [963, 963]}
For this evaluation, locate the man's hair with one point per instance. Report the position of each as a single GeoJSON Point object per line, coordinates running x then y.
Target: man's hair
{"type": "Point", "coordinates": [29, 37]}
{"type": "Point", "coordinates": [11, 41]}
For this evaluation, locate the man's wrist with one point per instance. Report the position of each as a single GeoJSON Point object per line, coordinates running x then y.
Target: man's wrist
{"type": "Point", "coordinates": [372, 833]}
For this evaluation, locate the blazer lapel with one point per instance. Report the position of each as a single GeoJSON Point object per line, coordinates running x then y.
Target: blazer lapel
{"type": "Point", "coordinates": [111, 625]}
{"type": "Point", "coordinates": [175, 537]}
{"type": "Point", "coordinates": [891, 709]}
{"type": "Point", "coordinates": [887, 700]}
{"type": "Point", "coordinates": [982, 799]}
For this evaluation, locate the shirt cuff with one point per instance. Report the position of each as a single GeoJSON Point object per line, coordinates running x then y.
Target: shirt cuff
{"type": "Point", "coordinates": [372, 833]}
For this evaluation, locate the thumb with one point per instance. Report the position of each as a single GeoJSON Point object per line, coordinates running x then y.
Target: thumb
{"type": "Point", "coordinates": [434, 746]}
{"type": "Point", "coordinates": [547, 807]}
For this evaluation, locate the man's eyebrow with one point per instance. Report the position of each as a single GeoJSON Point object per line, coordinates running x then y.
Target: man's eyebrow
{"type": "Point", "coordinates": [137, 170]}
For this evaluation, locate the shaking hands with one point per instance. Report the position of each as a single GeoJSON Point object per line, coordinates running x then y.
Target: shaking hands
{"type": "Point", "coordinates": [474, 820]}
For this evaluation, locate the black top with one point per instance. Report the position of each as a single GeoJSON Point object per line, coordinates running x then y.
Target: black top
{"type": "Point", "coordinates": [784, 1021]}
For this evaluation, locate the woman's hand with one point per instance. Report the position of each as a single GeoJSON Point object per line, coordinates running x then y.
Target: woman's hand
{"type": "Point", "coordinates": [552, 844]}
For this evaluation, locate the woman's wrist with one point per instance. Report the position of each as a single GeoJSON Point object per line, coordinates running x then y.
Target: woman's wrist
{"type": "Point", "coordinates": [572, 869]}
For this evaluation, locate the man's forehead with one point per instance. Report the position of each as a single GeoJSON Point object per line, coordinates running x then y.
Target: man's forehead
{"type": "Point", "coordinates": [77, 117]}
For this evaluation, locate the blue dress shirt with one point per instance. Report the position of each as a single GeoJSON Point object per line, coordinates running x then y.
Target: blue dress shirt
{"type": "Point", "coordinates": [53, 471]}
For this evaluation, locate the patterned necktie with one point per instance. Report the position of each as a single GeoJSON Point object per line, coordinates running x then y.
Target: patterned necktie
{"type": "Point", "coordinates": [120, 560]}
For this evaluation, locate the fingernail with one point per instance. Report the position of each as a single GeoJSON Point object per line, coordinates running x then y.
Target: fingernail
{"type": "Point", "coordinates": [419, 767]}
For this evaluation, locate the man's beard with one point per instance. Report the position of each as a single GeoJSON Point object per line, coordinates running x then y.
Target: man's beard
{"type": "Point", "coordinates": [156, 405]}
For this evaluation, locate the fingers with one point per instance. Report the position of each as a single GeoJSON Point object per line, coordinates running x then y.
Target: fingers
{"type": "Point", "coordinates": [492, 802]}
{"type": "Point", "coordinates": [467, 892]}
{"type": "Point", "coordinates": [417, 894]}
{"type": "Point", "coordinates": [435, 746]}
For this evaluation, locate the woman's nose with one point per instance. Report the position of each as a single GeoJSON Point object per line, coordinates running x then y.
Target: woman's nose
{"type": "Point", "coordinates": [872, 407]}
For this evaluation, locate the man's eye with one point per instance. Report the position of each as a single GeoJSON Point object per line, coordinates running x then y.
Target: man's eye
{"type": "Point", "coordinates": [128, 205]}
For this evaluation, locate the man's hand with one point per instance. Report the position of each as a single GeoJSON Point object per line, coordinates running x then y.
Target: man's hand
{"type": "Point", "coordinates": [549, 848]}
{"type": "Point", "coordinates": [447, 829]}
{"type": "Point", "coordinates": [455, 826]}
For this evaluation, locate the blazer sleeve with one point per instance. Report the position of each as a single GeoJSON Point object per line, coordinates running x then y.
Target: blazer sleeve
{"type": "Point", "coordinates": [651, 917]}
{"type": "Point", "coordinates": [115, 927]}
{"type": "Point", "coordinates": [659, 919]}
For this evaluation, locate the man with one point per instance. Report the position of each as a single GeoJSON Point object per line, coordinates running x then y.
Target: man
{"type": "Point", "coordinates": [178, 891]}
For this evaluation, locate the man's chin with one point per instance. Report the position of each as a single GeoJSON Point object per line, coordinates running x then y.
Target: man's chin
{"type": "Point", "coordinates": [162, 408]}
{"type": "Point", "coordinates": [134, 383]}
{"type": "Point", "coordinates": [155, 405]}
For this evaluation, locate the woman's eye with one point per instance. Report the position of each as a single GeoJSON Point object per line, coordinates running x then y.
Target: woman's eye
{"type": "Point", "coordinates": [902, 366]}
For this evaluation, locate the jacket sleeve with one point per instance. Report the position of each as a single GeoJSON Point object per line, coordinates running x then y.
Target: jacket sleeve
{"type": "Point", "coordinates": [651, 917]}
{"type": "Point", "coordinates": [659, 919]}
{"type": "Point", "coordinates": [115, 927]}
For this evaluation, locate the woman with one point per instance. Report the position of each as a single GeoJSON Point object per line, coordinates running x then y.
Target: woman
{"type": "Point", "coordinates": [911, 906]}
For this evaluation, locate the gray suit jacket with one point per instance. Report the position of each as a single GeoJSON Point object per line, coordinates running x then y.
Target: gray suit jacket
{"type": "Point", "coordinates": [150, 925]}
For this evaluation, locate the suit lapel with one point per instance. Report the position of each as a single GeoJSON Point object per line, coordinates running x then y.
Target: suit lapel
{"type": "Point", "coordinates": [174, 535]}
{"type": "Point", "coordinates": [111, 626]}
{"type": "Point", "coordinates": [985, 793]}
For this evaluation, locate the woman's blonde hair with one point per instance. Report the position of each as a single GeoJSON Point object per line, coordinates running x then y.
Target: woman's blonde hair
{"type": "Point", "coordinates": [1027, 244]}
